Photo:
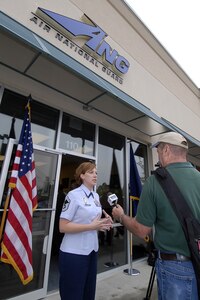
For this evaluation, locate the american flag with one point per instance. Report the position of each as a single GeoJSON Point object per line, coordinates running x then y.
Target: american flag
{"type": "Point", "coordinates": [17, 238]}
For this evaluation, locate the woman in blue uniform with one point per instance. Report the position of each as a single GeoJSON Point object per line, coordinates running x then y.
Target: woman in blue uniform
{"type": "Point", "coordinates": [80, 221]}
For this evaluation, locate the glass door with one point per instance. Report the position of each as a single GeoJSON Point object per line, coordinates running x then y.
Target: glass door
{"type": "Point", "coordinates": [47, 172]}
{"type": "Point", "coordinates": [66, 183]}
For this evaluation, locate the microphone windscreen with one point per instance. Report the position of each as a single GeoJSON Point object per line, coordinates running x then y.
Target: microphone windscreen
{"type": "Point", "coordinates": [112, 199]}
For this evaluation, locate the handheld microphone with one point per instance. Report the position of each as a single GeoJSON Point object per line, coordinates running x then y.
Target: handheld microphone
{"type": "Point", "coordinates": [157, 164]}
{"type": "Point", "coordinates": [112, 199]}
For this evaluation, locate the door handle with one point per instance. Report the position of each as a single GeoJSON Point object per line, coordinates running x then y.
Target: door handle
{"type": "Point", "coordinates": [45, 243]}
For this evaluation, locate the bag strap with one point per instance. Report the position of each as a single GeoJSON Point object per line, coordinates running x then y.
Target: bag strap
{"type": "Point", "coordinates": [176, 198]}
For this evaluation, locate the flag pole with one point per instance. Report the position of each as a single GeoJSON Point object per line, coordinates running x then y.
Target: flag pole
{"type": "Point", "coordinates": [130, 270]}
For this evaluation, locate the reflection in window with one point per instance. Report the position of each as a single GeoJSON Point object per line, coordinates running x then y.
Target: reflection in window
{"type": "Point", "coordinates": [111, 161]}
{"type": "Point", "coordinates": [46, 165]}
{"type": "Point", "coordinates": [110, 168]}
{"type": "Point", "coordinates": [10, 284]}
{"type": "Point", "coordinates": [44, 120]}
{"type": "Point", "coordinates": [139, 245]}
{"type": "Point", "coordinates": [77, 135]}
{"type": "Point", "coordinates": [46, 168]}
{"type": "Point", "coordinates": [140, 155]}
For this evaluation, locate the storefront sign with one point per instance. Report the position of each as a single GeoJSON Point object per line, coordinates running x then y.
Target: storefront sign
{"type": "Point", "coordinates": [95, 44]}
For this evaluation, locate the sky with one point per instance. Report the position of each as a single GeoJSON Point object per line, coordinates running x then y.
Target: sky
{"type": "Point", "coordinates": [176, 25]}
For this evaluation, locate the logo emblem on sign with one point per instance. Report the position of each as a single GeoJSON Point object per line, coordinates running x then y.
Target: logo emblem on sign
{"type": "Point", "coordinates": [95, 39]}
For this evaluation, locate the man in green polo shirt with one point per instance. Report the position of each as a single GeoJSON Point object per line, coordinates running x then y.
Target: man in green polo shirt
{"type": "Point", "coordinates": [175, 274]}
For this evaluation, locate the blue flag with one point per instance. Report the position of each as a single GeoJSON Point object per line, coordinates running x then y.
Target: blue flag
{"type": "Point", "coordinates": [135, 185]}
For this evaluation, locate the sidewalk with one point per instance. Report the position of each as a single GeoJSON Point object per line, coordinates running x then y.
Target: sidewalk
{"type": "Point", "coordinates": [116, 285]}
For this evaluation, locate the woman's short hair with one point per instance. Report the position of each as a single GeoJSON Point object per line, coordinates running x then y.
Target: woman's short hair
{"type": "Point", "coordinates": [82, 169]}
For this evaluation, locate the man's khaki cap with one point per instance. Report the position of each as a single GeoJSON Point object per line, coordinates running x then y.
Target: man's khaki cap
{"type": "Point", "coordinates": [172, 138]}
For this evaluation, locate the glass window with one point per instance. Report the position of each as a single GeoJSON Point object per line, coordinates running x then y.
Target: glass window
{"type": "Point", "coordinates": [111, 161]}
{"type": "Point", "coordinates": [10, 284]}
{"type": "Point", "coordinates": [140, 155]}
{"type": "Point", "coordinates": [44, 120]}
{"type": "Point", "coordinates": [77, 135]}
{"type": "Point", "coordinates": [139, 246]}
{"type": "Point", "coordinates": [110, 168]}
{"type": "Point", "coordinates": [46, 171]}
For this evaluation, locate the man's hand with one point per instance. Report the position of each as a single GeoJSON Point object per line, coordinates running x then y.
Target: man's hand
{"type": "Point", "coordinates": [117, 212]}
{"type": "Point", "coordinates": [130, 223]}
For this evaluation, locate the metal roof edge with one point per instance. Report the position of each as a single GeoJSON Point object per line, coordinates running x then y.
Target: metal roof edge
{"type": "Point", "coordinates": [31, 38]}
{"type": "Point", "coordinates": [186, 135]}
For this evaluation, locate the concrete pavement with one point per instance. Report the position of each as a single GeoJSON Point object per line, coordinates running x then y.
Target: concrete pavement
{"type": "Point", "coordinates": [116, 285]}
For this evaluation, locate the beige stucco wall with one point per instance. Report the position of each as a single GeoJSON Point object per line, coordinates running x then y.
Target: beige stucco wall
{"type": "Point", "coordinates": [154, 79]}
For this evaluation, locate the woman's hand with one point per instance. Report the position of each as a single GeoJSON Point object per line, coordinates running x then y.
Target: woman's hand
{"type": "Point", "coordinates": [107, 216]}
{"type": "Point", "coordinates": [102, 224]}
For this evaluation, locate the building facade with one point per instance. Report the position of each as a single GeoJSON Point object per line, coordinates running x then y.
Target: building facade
{"type": "Point", "coordinates": [100, 82]}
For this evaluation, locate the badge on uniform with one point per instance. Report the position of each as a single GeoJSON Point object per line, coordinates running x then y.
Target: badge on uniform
{"type": "Point", "coordinates": [66, 204]}
{"type": "Point", "coordinates": [85, 200]}
{"type": "Point", "coordinates": [97, 203]}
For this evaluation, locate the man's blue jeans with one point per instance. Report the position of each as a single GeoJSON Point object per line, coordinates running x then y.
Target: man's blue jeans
{"type": "Point", "coordinates": [176, 280]}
